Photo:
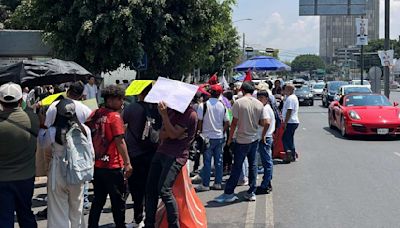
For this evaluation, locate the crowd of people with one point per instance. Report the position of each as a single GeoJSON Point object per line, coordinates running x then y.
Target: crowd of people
{"type": "Point", "coordinates": [138, 148]}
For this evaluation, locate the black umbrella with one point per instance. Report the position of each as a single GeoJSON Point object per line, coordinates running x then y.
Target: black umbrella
{"type": "Point", "coordinates": [35, 73]}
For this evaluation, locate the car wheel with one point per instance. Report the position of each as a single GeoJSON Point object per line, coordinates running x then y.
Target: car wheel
{"type": "Point", "coordinates": [343, 130]}
{"type": "Point", "coordinates": [311, 103]}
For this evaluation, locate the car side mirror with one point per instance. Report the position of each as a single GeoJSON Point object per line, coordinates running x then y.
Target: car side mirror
{"type": "Point", "coordinates": [395, 104]}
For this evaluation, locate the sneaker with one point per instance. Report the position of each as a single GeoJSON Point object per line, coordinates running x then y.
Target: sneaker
{"type": "Point", "coordinates": [250, 196]}
{"type": "Point", "coordinates": [135, 225]}
{"type": "Point", "coordinates": [288, 157]}
{"type": "Point", "coordinates": [243, 182]}
{"type": "Point", "coordinates": [263, 191]}
{"type": "Point", "coordinates": [217, 187]}
{"type": "Point", "coordinates": [202, 188]}
{"type": "Point", "coordinates": [196, 179]}
{"type": "Point", "coordinates": [226, 198]}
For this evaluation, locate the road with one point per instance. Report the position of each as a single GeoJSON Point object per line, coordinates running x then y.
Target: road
{"type": "Point", "coordinates": [336, 183]}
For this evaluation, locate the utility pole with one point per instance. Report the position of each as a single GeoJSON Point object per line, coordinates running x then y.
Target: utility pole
{"type": "Point", "coordinates": [386, 71]}
{"type": "Point", "coordinates": [244, 45]}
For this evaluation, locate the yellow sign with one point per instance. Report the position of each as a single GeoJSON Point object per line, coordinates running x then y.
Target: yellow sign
{"type": "Point", "coordinates": [136, 87]}
{"type": "Point", "coordinates": [50, 99]}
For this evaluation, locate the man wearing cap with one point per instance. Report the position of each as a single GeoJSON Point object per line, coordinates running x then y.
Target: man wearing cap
{"type": "Point", "coordinates": [213, 123]}
{"type": "Point", "coordinates": [248, 114]}
{"type": "Point", "coordinates": [18, 133]}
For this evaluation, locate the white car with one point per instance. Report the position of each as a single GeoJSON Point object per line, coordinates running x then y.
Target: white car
{"type": "Point", "coordinates": [358, 82]}
{"type": "Point", "coordinates": [317, 89]}
{"type": "Point", "coordinates": [347, 89]}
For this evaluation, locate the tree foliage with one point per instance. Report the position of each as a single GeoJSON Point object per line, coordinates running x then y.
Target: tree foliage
{"type": "Point", "coordinates": [374, 46]}
{"type": "Point", "coordinates": [176, 35]}
{"type": "Point", "coordinates": [307, 63]}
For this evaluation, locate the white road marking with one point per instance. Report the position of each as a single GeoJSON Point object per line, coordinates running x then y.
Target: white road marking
{"type": "Point", "coordinates": [269, 212]}
{"type": "Point", "coordinates": [397, 153]}
{"type": "Point", "coordinates": [305, 129]}
{"type": "Point", "coordinates": [251, 214]}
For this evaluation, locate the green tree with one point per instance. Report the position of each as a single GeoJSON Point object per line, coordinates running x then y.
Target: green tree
{"type": "Point", "coordinates": [374, 46]}
{"type": "Point", "coordinates": [99, 35]}
{"type": "Point", "coordinates": [225, 48]}
{"type": "Point", "coordinates": [307, 63]}
{"type": "Point", "coordinates": [7, 7]}
{"type": "Point", "coordinates": [176, 35]}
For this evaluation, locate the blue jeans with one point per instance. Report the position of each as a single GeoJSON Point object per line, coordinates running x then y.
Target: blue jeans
{"type": "Point", "coordinates": [240, 152]}
{"type": "Point", "coordinates": [288, 137]}
{"type": "Point", "coordinates": [214, 150]}
{"type": "Point", "coordinates": [264, 149]}
{"type": "Point", "coordinates": [17, 196]}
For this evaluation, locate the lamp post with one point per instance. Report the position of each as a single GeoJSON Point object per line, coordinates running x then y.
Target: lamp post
{"type": "Point", "coordinates": [244, 35]}
{"type": "Point", "coordinates": [387, 46]}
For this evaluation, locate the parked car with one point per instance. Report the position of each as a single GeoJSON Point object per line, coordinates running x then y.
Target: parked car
{"type": "Point", "coordinates": [329, 92]}
{"type": "Point", "coordinates": [358, 82]}
{"type": "Point", "coordinates": [347, 89]}
{"type": "Point", "coordinates": [364, 114]}
{"type": "Point", "coordinates": [304, 95]}
{"type": "Point", "coordinates": [317, 89]}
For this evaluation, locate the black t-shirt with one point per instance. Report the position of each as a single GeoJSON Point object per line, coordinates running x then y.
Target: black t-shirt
{"type": "Point", "coordinates": [135, 116]}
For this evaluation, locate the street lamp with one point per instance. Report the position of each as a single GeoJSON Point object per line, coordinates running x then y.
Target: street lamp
{"type": "Point", "coordinates": [245, 19]}
{"type": "Point", "coordinates": [244, 35]}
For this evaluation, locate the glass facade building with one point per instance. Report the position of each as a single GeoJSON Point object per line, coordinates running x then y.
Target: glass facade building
{"type": "Point", "coordinates": [340, 31]}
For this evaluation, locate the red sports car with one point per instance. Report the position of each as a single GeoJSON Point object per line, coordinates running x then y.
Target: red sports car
{"type": "Point", "coordinates": [364, 114]}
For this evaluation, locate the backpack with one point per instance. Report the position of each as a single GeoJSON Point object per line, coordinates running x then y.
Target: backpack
{"type": "Point", "coordinates": [78, 161]}
{"type": "Point", "coordinates": [101, 144]}
{"type": "Point", "coordinates": [79, 156]}
{"type": "Point", "coordinates": [278, 116]}
{"type": "Point", "coordinates": [150, 137]}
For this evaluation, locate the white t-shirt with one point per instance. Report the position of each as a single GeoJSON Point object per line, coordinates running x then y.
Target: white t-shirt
{"type": "Point", "coordinates": [292, 103]}
{"type": "Point", "coordinates": [90, 91]}
{"type": "Point", "coordinates": [82, 112]}
{"type": "Point", "coordinates": [269, 114]}
{"type": "Point", "coordinates": [214, 119]}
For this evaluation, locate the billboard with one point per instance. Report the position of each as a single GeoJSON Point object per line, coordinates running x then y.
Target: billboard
{"type": "Point", "coordinates": [362, 31]}
{"type": "Point", "coordinates": [332, 7]}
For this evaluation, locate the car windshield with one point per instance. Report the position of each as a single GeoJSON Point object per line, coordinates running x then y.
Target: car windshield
{"type": "Point", "coordinates": [356, 90]}
{"type": "Point", "coordinates": [318, 86]}
{"type": "Point", "coordinates": [367, 100]}
{"type": "Point", "coordinates": [303, 90]}
{"type": "Point", "coordinates": [359, 82]}
{"type": "Point", "coordinates": [335, 85]}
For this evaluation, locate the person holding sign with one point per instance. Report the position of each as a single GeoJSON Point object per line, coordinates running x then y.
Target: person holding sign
{"type": "Point", "coordinates": [176, 135]}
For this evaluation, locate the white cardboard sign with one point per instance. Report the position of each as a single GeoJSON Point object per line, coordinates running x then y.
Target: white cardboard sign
{"type": "Point", "coordinates": [177, 95]}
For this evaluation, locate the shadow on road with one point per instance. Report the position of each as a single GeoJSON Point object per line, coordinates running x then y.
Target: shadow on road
{"type": "Point", "coordinates": [367, 138]}
{"type": "Point", "coordinates": [213, 204]}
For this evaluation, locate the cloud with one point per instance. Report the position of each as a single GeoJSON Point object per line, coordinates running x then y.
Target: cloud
{"type": "Point", "coordinates": [394, 19]}
{"type": "Point", "coordinates": [301, 34]}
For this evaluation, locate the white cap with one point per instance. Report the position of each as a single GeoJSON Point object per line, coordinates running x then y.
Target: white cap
{"type": "Point", "coordinates": [10, 93]}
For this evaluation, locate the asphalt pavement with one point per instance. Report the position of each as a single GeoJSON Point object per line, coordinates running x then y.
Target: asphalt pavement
{"type": "Point", "coordinates": [337, 182]}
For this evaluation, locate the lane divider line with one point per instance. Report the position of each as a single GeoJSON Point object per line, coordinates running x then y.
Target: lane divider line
{"type": "Point", "coordinates": [251, 214]}
{"type": "Point", "coordinates": [269, 212]}
{"type": "Point", "coordinates": [397, 153]}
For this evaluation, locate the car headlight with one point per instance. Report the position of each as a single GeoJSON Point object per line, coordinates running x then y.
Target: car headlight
{"type": "Point", "coordinates": [354, 115]}
{"type": "Point", "coordinates": [310, 95]}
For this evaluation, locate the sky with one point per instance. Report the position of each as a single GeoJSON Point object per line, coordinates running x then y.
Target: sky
{"type": "Point", "coordinates": [277, 24]}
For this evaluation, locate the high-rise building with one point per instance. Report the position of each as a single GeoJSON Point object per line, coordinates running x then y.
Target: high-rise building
{"type": "Point", "coordinates": [340, 31]}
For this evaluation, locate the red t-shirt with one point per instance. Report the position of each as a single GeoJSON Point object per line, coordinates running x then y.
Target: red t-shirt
{"type": "Point", "coordinates": [114, 126]}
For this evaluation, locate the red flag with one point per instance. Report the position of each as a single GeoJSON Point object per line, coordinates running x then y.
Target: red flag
{"type": "Point", "coordinates": [248, 76]}
{"type": "Point", "coordinates": [213, 80]}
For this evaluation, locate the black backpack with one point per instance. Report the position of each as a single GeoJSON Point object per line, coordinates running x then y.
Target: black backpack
{"type": "Point", "coordinates": [149, 138]}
